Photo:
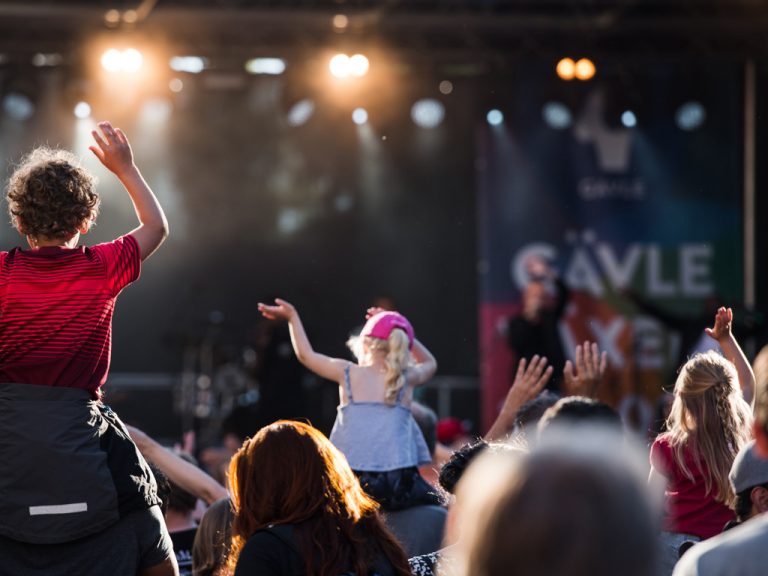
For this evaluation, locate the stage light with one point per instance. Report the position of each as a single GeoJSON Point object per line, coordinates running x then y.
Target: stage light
{"type": "Point", "coordinates": [358, 65]}
{"type": "Point", "coordinates": [176, 85]}
{"type": "Point", "coordinates": [112, 17]}
{"type": "Point", "coordinates": [190, 64]}
{"type": "Point", "coordinates": [495, 117]}
{"type": "Point", "coordinates": [301, 112]}
{"type": "Point", "coordinates": [82, 110]}
{"type": "Point", "coordinates": [129, 60]}
{"type": "Point", "coordinates": [360, 116]}
{"type": "Point", "coordinates": [428, 113]}
{"type": "Point", "coordinates": [271, 66]}
{"type": "Point", "coordinates": [130, 16]}
{"type": "Point", "coordinates": [557, 115]}
{"type": "Point", "coordinates": [112, 60]}
{"type": "Point", "coordinates": [156, 111]}
{"type": "Point", "coordinates": [340, 22]}
{"type": "Point", "coordinates": [18, 106]}
{"type": "Point", "coordinates": [690, 116]}
{"type": "Point", "coordinates": [628, 119]}
{"type": "Point", "coordinates": [340, 66]}
{"type": "Point", "coordinates": [585, 69]}
{"type": "Point", "coordinates": [566, 69]}
{"type": "Point", "coordinates": [53, 59]}
{"type": "Point", "coordinates": [445, 87]}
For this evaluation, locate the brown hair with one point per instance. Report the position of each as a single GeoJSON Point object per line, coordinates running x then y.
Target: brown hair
{"type": "Point", "coordinates": [709, 418]}
{"type": "Point", "coordinates": [289, 473]}
{"type": "Point", "coordinates": [49, 195]}
{"type": "Point", "coordinates": [209, 551]}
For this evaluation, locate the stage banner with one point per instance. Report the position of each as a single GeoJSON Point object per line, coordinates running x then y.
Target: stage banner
{"type": "Point", "coordinates": [643, 222]}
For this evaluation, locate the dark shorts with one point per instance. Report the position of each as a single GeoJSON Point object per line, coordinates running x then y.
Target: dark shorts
{"type": "Point", "coordinates": [70, 469]}
{"type": "Point", "coordinates": [398, 489]}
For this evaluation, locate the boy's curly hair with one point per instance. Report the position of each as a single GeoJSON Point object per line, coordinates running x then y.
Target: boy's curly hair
{"type": "Point", "coordinates": [49, 195]}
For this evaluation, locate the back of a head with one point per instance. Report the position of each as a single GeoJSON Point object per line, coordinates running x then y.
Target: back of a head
{"type": "Point", "coordinates": [576, 506]}
{"type": "Point", "coordinates": [761, 390]}
{"type": "Point", "coordinates": [453, 470]}
{"type": "Point", "coordinates": [49, 195]}
{"type": "Point", "coordinates": [290, 473]}
{"type": "Point", "coordinates": [179, 500]}
{"type": "Point", "coordinates": [710, 417]}
{"type": "Point", "coordinates": [211, 545]}
{"type": "Point", "coordinates": [578, 411]}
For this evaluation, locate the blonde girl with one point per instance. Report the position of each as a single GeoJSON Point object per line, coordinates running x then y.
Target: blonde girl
{"type": "Point", "coordinates": [374, 427]}
{"type": "Point", "coordinates": [710, 420]}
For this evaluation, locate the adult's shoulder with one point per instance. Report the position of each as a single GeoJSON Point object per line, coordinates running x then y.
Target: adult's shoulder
{"type": "Point", "coordinates": [267, 553]}
{"type": "Point", "coordinates": [741, 551]}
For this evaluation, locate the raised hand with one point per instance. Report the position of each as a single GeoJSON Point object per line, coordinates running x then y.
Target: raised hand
{"type": "Point", "coordinates": [112, 148]}
{"type": "Point", "coordinates": [373, 310]}
{"type": "Point", "coordinates": [530, 379]}
{"type": "Point", "coordinates": [282, 310]}
{"type": "Point", "coordinates": [590, 367]}
{"type": "Point", "coordinates": [723, 322]}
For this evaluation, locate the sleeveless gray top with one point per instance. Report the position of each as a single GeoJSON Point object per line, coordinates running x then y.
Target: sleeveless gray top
{"type": "Point", "coordinates": [376, 436]}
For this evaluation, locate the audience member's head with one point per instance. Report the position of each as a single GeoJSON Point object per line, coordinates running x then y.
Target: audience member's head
{"type": "Point", "coordinates": [577, 505]}
{"type": "Point", "coordinates": [454, 469]}
{"type": "Point", "coordinates": [211, 546]}
{"type": "Point", "coordinates": [427, 421]}
{"type": "Point", "coordinates": [179, 500]}
{"type": "Point", "coordinates": [532, 411]}
{"type": "Point", "coordinates": [761, 401]}
{"type": "Point", "coordinates": [749, 478]}
{"type": "Point", "coordinates": [578, 411]}
{"type": "Point", "coordinates": [163, 487]}
{"type": "Point", "coordinates": [308, 485]}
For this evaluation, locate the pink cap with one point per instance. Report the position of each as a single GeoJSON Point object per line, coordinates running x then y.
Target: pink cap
{"type": "Point", "coordinates": [381, 326]}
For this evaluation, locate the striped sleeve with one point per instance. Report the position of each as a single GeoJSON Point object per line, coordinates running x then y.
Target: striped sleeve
{"type": "Point", "coordinates": [122, 261]}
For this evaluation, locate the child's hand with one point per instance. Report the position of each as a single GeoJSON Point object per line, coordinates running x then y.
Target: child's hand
{"type": "Point", "coordinates": [372, 311]}
{"type": "Point", "coordinates": [723, 322]}
{"type": "Point", "coordinates": [281, 311]}
{"type": "Point", "coordinates": [112, 149]}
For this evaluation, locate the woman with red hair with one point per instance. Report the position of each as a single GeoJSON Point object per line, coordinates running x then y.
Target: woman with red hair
{"type": "Point", "coordinates": [299, 509]}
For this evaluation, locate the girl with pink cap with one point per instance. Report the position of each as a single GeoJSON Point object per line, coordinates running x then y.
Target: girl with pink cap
{"type": "Point", "coordinates": [374, 427]}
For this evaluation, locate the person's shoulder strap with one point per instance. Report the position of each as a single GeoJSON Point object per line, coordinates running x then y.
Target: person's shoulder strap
{"type": "Point", "coordinates": [347, 383]}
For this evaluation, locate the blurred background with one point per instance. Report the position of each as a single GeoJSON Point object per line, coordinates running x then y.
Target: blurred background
{"type": "Point", "coordinates": [338, 152]}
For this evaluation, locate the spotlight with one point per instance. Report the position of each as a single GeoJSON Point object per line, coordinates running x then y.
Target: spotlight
{"type": "Point", "coordinates": [52, 59]}
{"type": "Point", "coordinates": [18, 106]}
{"type": "Point", "coordinates": [129, 60]}
{"type": "Point", "coordinates": [271, 66]}
{"type": "Point", "coordinates": [428, 113]}
{"type": "Point", "coordinates": [360, 116]}
{"type": "Point", "coordinates": [82, 110]}
{"type": "Point", "coordinates": [557, 115]}
{"type": "Point", "coordinates": [358, 65]}
{"type": "Point", "coordinates": [340, 66]}
{"type": "Point", "coordinates": [566, 69]}
{"type": "Point", "coordinates": [176, 85]}
{"type": "Point", "coordinates": [190, 64]}
{"type": "Point", "coordinates": [495, 117]}
{"type": "Point", "coordinates": [690, 116]}
{"type": "Point", "coordinates": [585, 69]}
{"type": "Point", "coordinates": [628, 119]}
{"type": "Point", "coordinates": [301, 112]}
{"type": "Point", "coordinates": [340, 22]}
{"type": "Point", "coordinates": [445, 87]}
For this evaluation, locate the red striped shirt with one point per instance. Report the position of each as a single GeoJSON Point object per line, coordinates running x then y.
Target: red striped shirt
{"type": "Point", "coordinates": [56, 307]}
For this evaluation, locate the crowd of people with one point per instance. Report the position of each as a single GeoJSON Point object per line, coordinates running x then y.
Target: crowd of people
{"type": "Point", "coordinates": [556, 486]}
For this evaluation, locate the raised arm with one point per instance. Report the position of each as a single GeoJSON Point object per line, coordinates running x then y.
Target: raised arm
{"type": "Point", "coordinates": [727, 341]}
{"type": "Point", "coordinates": [322, 365]}
{"type": "Point", "coordinates": [425, 364]}
{"type": "Point", "coordinates": [529, 381]}
{"type": "Point", "coordinates": [590, 368]}
{"type": "Point", "coordinates": [114, 151]}
{"type": "Point", "coordinates": [187, 476]}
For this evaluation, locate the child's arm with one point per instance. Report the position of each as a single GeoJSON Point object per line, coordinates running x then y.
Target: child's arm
{"type": "Point", "coordinates": [425, 366]}
{"type": "Point", "coordinates": [322, 365]}
{"type": "Point", "coordinates": [114, 151]}
{"type": "Point", "coordinates": [722, 333]}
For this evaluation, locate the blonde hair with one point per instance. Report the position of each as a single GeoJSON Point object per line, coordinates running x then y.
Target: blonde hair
{"type": "Point", "coordinates": [398, 358]}
{"type": "Point", "coordinates": [711, 419]}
